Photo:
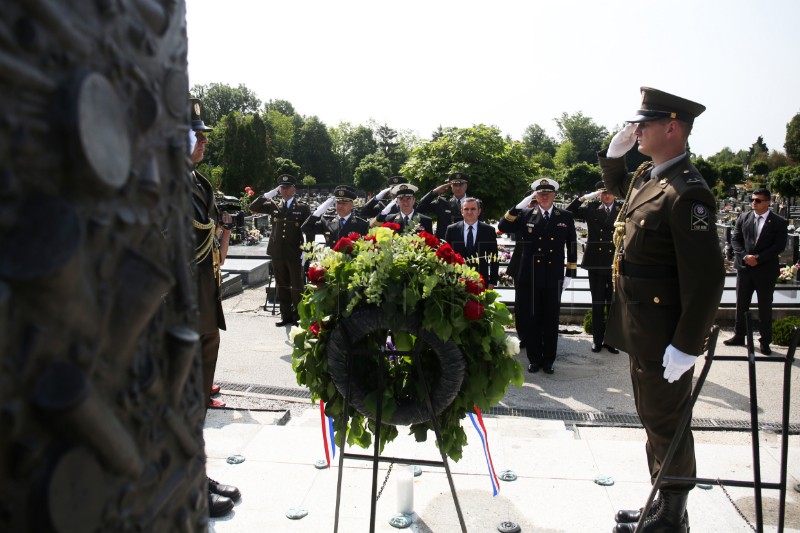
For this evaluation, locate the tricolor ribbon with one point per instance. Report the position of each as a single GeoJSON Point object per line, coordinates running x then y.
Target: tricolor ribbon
{"type": "Point", "coordinates": [483, 434]}
{"type": "Point", "coordinates": [327, 434]}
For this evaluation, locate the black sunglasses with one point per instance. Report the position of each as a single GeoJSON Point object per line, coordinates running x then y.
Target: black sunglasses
{"type": "Point", "coordinates": [757, 200]}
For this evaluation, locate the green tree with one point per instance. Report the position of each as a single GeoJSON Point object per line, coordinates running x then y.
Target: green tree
{"type": "Point", "coordinates": [314, 150]}
{"type": "Point", "coordinates": [726, 155]}
{"type": "Point", "coordinates": [284, 166]}
{"type": "Point", "coordinates": [708, 170]}
{"type": "Point", "coordinates": [220, 99]}
{"type": "Point", "coordinates": [351, 145]}
{"type": "Point", "coordinates": [730, 174]}
{"type": "Point", "coordinates": [391, 144]}
{"type": "Point", "coordinates": [580, 178]}
{"type": "Point", "coordinates": [371, 173]}
{"type": "Point", "coordinates": [245, 156]}
{"type": "Point", "coordinates": [785, 181]}
{"type": "Point", "coordinates": [281, 132]}
{"type": "Point", "coordinates": [586, 136]}
{"type": "Point", "coordinates": [759, 167]}
{"type": "Point", "coordinates": [309, 180]}
{"type": "Point", "coordinates": [566, 155]}
{"type": "Point", "coordinates": [536, 141]}
{"type": "Point", "coordinates": [499, 171]}
{"type": "Point", "coordinates": [792, 144]}
{"type": "Point", "coordinates": [284, 107]}
{"type": "Point", "coordinates": [758, 150]}
{"type": "Point", "coordinates": [544, 160]}
{"type": "Point", "coordinates": [778, 159]}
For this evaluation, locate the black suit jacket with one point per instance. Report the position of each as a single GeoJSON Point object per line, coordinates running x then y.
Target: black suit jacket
{"type": "Point", "coordinates": [599, 251]}
{"type": "Point", "coordinates": [418, 220]}
{"type": "Point", "coordinates": [332, 229]}
{"type": "Point", "coordinates": [485, 249]}
{"type": "Point", "coordinates": [767, 248]}
{"type": "Point", "coordinates": [446, 208]}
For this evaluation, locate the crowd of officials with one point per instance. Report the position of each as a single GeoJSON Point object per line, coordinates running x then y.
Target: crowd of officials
{"type": "Point", "coordinates": [652, 256]}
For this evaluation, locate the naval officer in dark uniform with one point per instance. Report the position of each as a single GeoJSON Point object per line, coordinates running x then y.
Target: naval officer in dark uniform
{"type": "Point", "coordinates": [668, 282]}
{"type": "Point", "coordinates": [376, 204]}
{"type": "Point", "coordinates": [288, 214]}
{"type": "Point", "coordinates": [406, 216]}
{"type": "Point", "coordinates": [446, 209]}
{"type": "Point", "coordinates": [343, 224]}
{"type": "Point", "coordinates": [599, 216]}
{"type": "Point", "coordinates": [546, 236]}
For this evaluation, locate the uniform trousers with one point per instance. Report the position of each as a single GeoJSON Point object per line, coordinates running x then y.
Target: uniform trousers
{"type": "Point", "coordinates": [290, 282]}
{"type": "Point", "coordinates": [602, 290]}
{"type": "Point", "coordinates": [209, 343]}
{"type": "Point", "coordinates": [539, 307]}
{"type": "Point", "coordinates": [764, 287]}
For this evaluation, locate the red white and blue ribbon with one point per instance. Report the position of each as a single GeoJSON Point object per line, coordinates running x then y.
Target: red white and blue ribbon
{"type": "Point", "coordinates": [327, 434]}
{"type": "Point", "coordinates": [477, 421]}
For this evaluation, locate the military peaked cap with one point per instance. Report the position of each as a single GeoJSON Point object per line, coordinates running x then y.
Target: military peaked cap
{"type": "Point", "coordinates": [658, 104]}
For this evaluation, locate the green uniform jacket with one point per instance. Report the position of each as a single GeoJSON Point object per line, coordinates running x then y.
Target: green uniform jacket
{"type": "Point", "coordinates": [670, 224]}
{"type": "Point", "coordinates": [287, 236]}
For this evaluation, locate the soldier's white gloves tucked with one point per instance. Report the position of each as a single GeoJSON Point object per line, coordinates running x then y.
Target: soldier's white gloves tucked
{"type": "Point", "coordinates": [567, 283]}
{"type": "Point", "coordinates": [525, 201]}
{"type": "Point", "coordinates": [323, 207]}
{"type": "Point", "coordinates": [389, 206]}
{"type": "Point", "coordinates": [381, 194]}
{"type": "Point", "coordinates": [272, 193]}
{"type": "Point", "coordinates": [622, 142]}
{"type": "Point", "coordinates": [676, 363]}
{"type": "Point", "coordinates": [591, 196]}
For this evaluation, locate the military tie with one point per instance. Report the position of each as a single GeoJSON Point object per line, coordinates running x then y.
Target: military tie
{"type": "Point", "coordinates": [341, 223]}
{"type": "Point", "coordinates": [470, 240]}
{"type": "Point", "coordinates": [406, 220]}
{"type": "Point", "coordinates": [546, 217]}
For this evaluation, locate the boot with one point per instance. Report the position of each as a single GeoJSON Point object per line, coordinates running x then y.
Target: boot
{"type": "Point", "coordinates": [631, 515]}
{"type": "Point", "coordinates": [671, 516]}
{"type": "Point", "coordinates": [229, 491]}
{"type": "Point", "coordinates": [218, 505]}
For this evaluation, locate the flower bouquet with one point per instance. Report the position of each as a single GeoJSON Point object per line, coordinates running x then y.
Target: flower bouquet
{"type": "Point", "coordinates": [385, 299]}
{"type": "Point", "coordinates": [788, 274]}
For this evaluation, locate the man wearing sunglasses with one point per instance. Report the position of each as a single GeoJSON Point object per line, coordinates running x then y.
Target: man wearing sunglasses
{"type": "Point", "coordinates": [758, 239]}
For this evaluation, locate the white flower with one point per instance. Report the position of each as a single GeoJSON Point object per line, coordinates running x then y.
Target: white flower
{"type": "Point", "coordinates": [512, 346]}
{"type": "Point", "coordinates": [294, 332]}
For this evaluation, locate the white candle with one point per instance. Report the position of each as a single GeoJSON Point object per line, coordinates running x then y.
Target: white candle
{"type": "Point", "coordinates": [405, 490]}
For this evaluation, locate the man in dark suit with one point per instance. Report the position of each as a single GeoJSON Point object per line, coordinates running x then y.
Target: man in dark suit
{"type": "Point", "coordinates": [288, 214]}
{"type": "Point", "coordinates": [406, 215]}
{"type": "Point", "coordinates": [600, 217]}
{"type": "Point", "coordinates": [447, 210]}
{"type": "Point", "coordinates": [343, 224]}
{"type": "Point", "coordinates": [546, 233]}
{"type": "Point", "coordinates": [476, 241]}
{"type": "Point", "coordinates": [376, 204]}
{"type": "Point", "coordinates": [759, 237]}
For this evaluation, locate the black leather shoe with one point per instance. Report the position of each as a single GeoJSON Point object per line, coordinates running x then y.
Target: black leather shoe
{"type": "Point", "coordinates": [610, 348]}
{"type": "Point", "coordinates": [631, 515]}
{"type": "Point", "coordinates": [218, 505]}
{"type": "Point", "coordinates": [282, 323]}
{"type": "Point", "coordinates": [596, 347]}
{"type": "Point", "coordinates": [521, 344]}
{"type": "Point", "coordinates": [533, 368]}
{"type": "Point", "coordinates": [549, 370]}
{"type": "Point", "coordinates": [229, 491]}
{"type": "Point", "coordinates": [765, 349]}
{"type": "Point", "coordinates": [736, 340]}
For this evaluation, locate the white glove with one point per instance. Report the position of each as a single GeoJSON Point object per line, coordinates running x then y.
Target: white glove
{"type": "Point", "coordinates": [381, 194]}
{"type": "Point", "coordinates": [389, 206]}
{"type": "Point", "coordinates": [272, 193]}
{"type": "Point", "coordinates": [622, 142]}
{"type": "Point", "coordinates": [567, 283]}
{"type": "Point", "coordinates": [676, 363]}
{"type": "Point", "coordinates": [591, 196]}
{"type": "Point", "coordinates": [525, 201]}
{"type": "Point", "coordinates": [324, 207]}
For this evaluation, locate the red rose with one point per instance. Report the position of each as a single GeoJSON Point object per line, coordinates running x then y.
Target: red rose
{"type": "Point", "coordinates": [430, 240]}
{"type": "Point", "coordinates": [344, 245]}
{"type": "Point", "coordinates": [446, 253]}
{"type": "Point", "coordinates": [314, 329]}
{"type": "Point", "coordinates": [458, 259]}
{"type": "Point", "coordinates": [499, 232]}
{"type": "Point", "coordinates": [371, 238]}
{"type": "Point", "coordinates": [392, 226]}
{"type": "Point", "coordinates": [473, 310]}
{"type": "Point", "coordinates": [316, 273]}
{"type": "Point", "coordinates": [474, 287]}
{"type": "Point", "coordinates": [354, 236]}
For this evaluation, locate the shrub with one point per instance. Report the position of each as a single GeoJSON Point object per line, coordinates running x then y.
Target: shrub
{"type": "Point", "coordinates": [587, 322]}
{"type": "Point", "coordinates": [782, 329]}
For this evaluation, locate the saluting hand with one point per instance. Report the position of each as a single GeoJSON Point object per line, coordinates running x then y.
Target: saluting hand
{"type": "Point", "coordinates": [525, 201]}
{"type": "Point", "coordinates": [622, 142]}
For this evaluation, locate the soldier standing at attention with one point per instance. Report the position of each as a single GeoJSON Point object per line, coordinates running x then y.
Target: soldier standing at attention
{"type": "Point", "coordinates": [599, 254]}
{"type": "Point", "coordinates": [288, 214]}
{"type": "Point", "coordinates": [406, 216]}
{"type": "Point", "coordinates": [343, 224]}
{"type": "Point", "coordinates": [376, 204]}
{"type": "Point", "coordinates": [668, 275]}
{"type": "Point", "coordinates": [447, 210]}
{"type": "Point", "coordinates": [544, 234]}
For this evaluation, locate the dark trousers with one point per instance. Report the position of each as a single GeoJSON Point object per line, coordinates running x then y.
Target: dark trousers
{"type": "Point", "coordinates": [602, 290]}
{"type": "Point", "coordinates": [209, 343]}
{"type": "Point", "coordinates": [538, 307]}
{"type": "Point", "coordinates": [660, 406]}
{"type": "Point", "coordinates": [764, 287]}
{"type": "Point", "coordinates": [290, 282]}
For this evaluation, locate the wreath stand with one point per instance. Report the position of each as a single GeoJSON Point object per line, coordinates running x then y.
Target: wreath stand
{"type": "Point", "coordinates": [756, 484]}
{"type": "Point", "coordinates": [376, 458]}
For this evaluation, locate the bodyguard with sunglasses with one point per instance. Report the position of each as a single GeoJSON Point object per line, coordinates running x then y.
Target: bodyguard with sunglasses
{"type": "Point", "coordinates": [758, 239]}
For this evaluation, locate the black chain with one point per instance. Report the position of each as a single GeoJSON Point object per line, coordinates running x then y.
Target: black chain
{"type": "Point", "coordinates": [378, 497]}
{"type": "Point", "coordinates": [735, 506]}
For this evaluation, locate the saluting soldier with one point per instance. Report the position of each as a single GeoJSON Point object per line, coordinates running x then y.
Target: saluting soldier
{"type": "Point", "coordinates": [343, 224]}
{"type": "Point", "coordinates": [376, 204]}
{"type": "Point", "coordinates": [447, 210]}
{"type": "Point", "coordinates": [546, 236]}
{"type": "Point", "coordinates": [406, 215]}
{"type": "Point", "coordinates": [668, 281]}
{"type": "Point", "coordinates": [288, 214]}
{"type": "Point", "coordinates": [600, 216]}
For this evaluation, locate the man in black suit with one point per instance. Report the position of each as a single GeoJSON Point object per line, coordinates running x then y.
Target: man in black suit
{"type": "Point", "coordinates": [599, 216]}
{"type": "Point", "coordinates": [476, 241]}
{"type": "Point", "coordinates": [758, 239]}
{"type": "Point", "coordinates": [447, 210]}
{"type": "Point", "coordinates": [342, 225]}
{"type": "Point", "coordinates": [406, 216]}
{"type": "Point", "coordinates": [545, 234]}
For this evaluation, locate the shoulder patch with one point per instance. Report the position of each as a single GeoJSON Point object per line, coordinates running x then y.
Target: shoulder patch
{"type": "Point", "coordinates": [701, 217]}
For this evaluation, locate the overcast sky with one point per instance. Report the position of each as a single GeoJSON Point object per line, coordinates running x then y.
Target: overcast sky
{"type": "Point", "coordinates": [418, 64]}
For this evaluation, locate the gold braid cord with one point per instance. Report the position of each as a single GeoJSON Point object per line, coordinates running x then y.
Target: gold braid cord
{"type": "Point", "coordinates": [619, 224]}
{"type": "Point", "coordinates": [208, 246]}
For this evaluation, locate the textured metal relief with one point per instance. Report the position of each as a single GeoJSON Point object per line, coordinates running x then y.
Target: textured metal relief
{"type": "Point", "coordinates": [101, 411]}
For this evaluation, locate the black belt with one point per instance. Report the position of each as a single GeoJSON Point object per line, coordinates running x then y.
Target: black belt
{"type": "Point", "coordinates": [648, 271]}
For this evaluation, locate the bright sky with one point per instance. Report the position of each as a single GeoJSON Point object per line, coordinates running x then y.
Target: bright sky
{"type": "Point", "coordinates": [418, 64]}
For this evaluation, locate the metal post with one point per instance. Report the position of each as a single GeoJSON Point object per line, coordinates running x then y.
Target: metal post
{"type": "Point", "coordinates": [751, 367]}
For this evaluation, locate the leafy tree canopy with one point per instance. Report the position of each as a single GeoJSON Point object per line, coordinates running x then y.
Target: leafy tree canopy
{"type": "Point", "coordinates": [351, 145]}
{"type": "Point", "coordinates": [586, 136]}
{"type": "Point", "coordinates": [371, 173]}
{"type": "Point", "coordinates": [785, 181]}
{"type": "Point", "coordinates": [566, 155]}
{"type": "Point", "coordinates": [792, 144]}
{"type": "Point", "coordinates": [536, 141]}
{"type": "Point", "coordinates": [731, 173]}
{"type": "Point", "coordinates": [314, 150]}
{"type": "Point", "coordinates": [580, 178]}
{"type": "Point", "coordinates": [220, 99]}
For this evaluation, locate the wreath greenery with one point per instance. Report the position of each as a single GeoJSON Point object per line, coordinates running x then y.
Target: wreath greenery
{"type": "Point", "coordinates": [403, 275]}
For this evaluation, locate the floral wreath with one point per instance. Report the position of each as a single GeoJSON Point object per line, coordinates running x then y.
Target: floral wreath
{"type": "Point", "coordinates": [403, 275]}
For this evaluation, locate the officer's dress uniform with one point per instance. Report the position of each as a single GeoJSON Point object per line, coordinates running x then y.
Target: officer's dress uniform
{"type": "Point", "coordinates": [332, 228]}
{"type": "Point", "coordinates": [447, 211]}
{"type": "Point", "coordinates": [416, 220]}
{"type": "Point", "coordinates": [207, 264]}
{"type": "Point", "coordinates": [374, 206]}
{"type": "Point", "coordinates": [540, 277]}
{"type": "Point", "coordinates": [597, 257]}
{"type": "Point", "coordinates": [667, 292]}
{"type": "Point", "coordinates": [284, 250]}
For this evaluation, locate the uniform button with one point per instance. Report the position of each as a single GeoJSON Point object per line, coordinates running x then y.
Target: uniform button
{"type": "Point", "coordinates": [538, 260]}
{"type": "Point", "coordinates": [628, 219]}
{"type": "Point", "coordinates": [657, 300]}
{"type": "Point", "coordinates": [642, 222]}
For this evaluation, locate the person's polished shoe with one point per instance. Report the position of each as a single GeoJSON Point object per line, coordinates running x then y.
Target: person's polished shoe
{"type": "Point", "coordinates": [218, 505]}
{"type": "Point", "coordinates": [533, 368]}
{"type": "Point", "coordinates": [215, 389]}
{"type": "Point", "coordinates": [765, 349]}
{"type": "Point", "coordinates": [229, 491]}
{"type": "Point", "coordinates": [549, 370]}
{"type": "Point", "coordinates": [596, 347]}
{"type": "Point", "coordinates": [670, 516]}
{"type": "Point", "coordinates": [631, 515]}
{"type": "Point", "coordinates": [215, 404]}
{"type": "Point", "coordinates": [736, 340]}
{"type": "Point", "coordinates": [282, 322]}
{"type": "Point", "coordinates": [610, 348]}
